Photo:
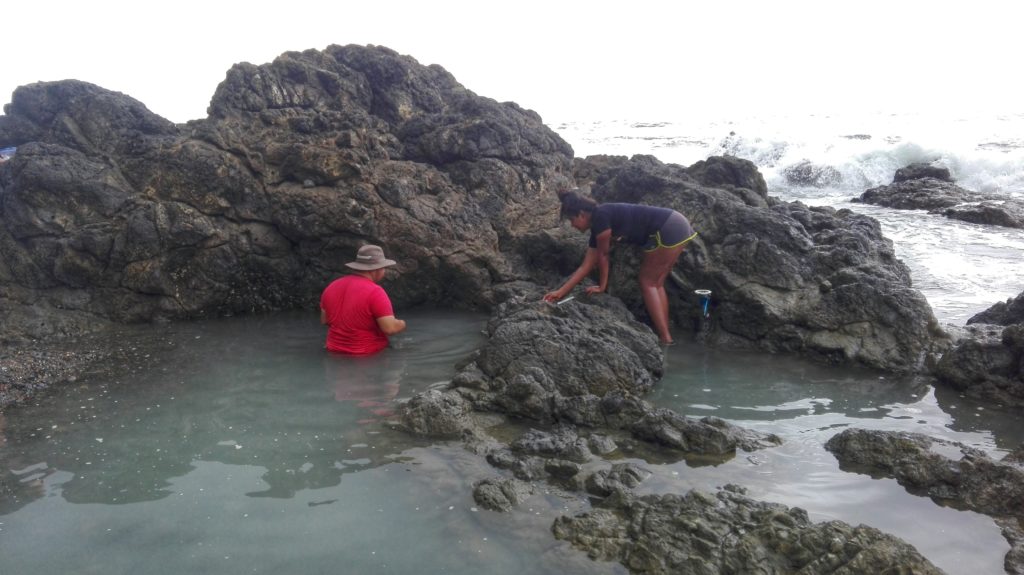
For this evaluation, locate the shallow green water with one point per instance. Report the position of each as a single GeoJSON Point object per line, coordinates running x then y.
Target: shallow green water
{"type": "Point", "coordinates": [239, 446]}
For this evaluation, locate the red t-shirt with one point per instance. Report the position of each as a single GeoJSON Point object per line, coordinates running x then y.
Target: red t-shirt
{"type": "Point", "coordinates": [352, 305]}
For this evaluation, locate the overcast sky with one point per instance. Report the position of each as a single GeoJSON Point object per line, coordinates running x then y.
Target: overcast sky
{"type": "Point", "coordinates": [567, 60]}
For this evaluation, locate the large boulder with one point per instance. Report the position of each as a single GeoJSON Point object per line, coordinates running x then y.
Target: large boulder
{"type": "Point", "coordinates": [985, 361]}
{"type": "Point", "coordinates": [784, 277]}
{"type": "Point", "coordinates": [586, 363]}
{"type": "Point", "coordinates": [111, 213]}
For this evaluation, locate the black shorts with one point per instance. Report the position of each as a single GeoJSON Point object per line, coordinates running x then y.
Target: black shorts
{"type": "Point", "coordinates": [675, 232]}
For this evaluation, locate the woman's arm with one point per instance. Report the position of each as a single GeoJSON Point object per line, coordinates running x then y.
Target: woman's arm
{"type": "Point", "coordinates": [589, 261]}
{"type": "Point", "coordinates": [604, 244]}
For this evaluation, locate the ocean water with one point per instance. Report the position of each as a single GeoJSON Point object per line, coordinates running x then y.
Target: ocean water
{"type": "Point", "coordinates": [961, 268]}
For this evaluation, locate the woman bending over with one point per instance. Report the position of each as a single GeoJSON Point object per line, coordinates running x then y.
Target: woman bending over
{"type": "Point", "coordinates": [662, 232]}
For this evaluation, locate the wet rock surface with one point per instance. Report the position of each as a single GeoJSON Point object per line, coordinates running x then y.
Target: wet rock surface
{"type": "Point", "coordinates": [784, 277]}
{"type": "Point", "coordinates": [922, 464]}
{"type": "Point", "coordinates": [926, 187]}
{"type": "Point", "coordinates": [986, 357]}
{"type": "Point", "coordinates": [588, 418]}
{"type": "Point", "coordinates": [1002, 313]}
{"type": "Point", "coordinates": [727, 532]}
{"type": "Point", "coordinates": [985, 361]}
{"type": "Point", "coordinates": [587, 364]}
{"type": "Point", "coordinates": [950, 473]}
{"type": "Point", "coordinates": [111, 213]}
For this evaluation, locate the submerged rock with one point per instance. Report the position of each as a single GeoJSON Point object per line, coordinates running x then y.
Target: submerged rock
{"type": "Point", "coordinates": [969, 480]}
{"type": "Point", "coordinates": [922, 464]}
{"type": "Point", "coordinates": [501, 494]}
{"type": "Point", "coordinates": [730, 533]}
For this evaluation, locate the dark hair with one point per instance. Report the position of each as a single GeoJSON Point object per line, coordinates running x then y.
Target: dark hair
{"type": "Point", "coordinates": [573, 202]}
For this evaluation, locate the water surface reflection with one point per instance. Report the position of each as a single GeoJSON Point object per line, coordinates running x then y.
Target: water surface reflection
{"type": "Point", "coordinates": [806, 404]}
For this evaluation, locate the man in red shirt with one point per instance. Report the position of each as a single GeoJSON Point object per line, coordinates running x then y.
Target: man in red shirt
{"type": "Point", "coordinates": [357, 311]}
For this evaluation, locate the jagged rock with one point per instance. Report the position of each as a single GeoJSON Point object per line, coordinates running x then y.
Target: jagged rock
{"type": "Point", "coordinates": [920, 170]}
{"type": "Point", "coordinates": [918, 194]}
{"type": "Point", "coordinates": [1013, 530]}
{"type": "Point", "coordinates": [563, 442]}
{"type": "Point", "coordinates": [784, 277]}
{"type": "Point", "coordinates": [705, 435]}
{"type": "Point", "coordinates": [973, 481]}
{"type": "Point", "coordinates": [501, 494]}
{"type": "Point", "coordinates": [539, 356]}
{"type": "Point", "coordinates": [924, 187]}
{"type": "Point", "coordinates": [985, 361]}
{"type": "Point", "coordinates": [436, 413]}
{"type": "Point", "coordinates": [730, 533]}
{"type": "Point", "coordinates": [109, 212]}
{"type": "Point", "coordinates": [586, 363]}
{"type": "Point", "coordinates": [524, 467]}
{"type": "Point", "coordinates": [619, 478]}
{"type": "Point", "coordinates": [1004, 213]}
{"type": "Point", "coordinates": [806, 173]}
{"type": "Point", "coordinates": [1002, 313]}
{"type": "Point", "coordinates": [112, 214]}
{"type": "Point", "coordinates": [921, 464]}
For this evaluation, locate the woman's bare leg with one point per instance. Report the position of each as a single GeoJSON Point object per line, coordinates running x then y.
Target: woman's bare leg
{"type": "Point", "coordinates": [654, 271]}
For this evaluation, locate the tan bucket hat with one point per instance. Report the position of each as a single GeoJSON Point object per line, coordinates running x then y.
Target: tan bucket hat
{"type": "Point", "coordinates": [369, 258]}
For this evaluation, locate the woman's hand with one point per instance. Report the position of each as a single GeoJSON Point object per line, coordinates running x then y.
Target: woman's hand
{"type": "Point", "coordinates": [553, 296]}
{"type": "Point", "coordinates": [594, 289]}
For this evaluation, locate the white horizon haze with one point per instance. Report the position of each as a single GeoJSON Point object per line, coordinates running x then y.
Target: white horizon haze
{"type": "Point", "coordinates": [565, 60]}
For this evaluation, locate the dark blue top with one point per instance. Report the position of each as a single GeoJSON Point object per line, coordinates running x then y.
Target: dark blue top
{"type": "Point", "coordinates": [630, 223]}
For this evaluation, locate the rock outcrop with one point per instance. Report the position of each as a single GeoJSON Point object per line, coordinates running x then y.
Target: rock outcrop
{"type": "Point", "coordinates": [730, 533]}
{"type": "Point", "coordinates": [985, 362]}
{"type": "Point", "coordinates": [1002, 313]}
{"type": "Point", "coordinates": [927, 187]}
{"type": "Point", "coordinates": [586, 364]}
{"type": "Point", "coordinates": [968, 480]}
{"type": "Point", "coordinates": [986, 358]}
{"type": "Point", "coordinates": [784, 277]}
{"type": "Point", "coordinates": [111, 213]}
{"type": "Point", "coordinates": [808, 174]}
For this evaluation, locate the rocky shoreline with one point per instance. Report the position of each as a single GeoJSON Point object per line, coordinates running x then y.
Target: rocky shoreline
{"type": "Point", "coordinates": [111, 215]}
